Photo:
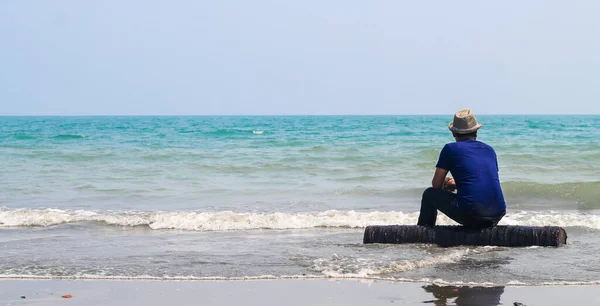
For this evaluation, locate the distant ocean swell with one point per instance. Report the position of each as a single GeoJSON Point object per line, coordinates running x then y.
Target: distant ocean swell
{"type": "Point", "coordinates": [214, 133]}
{"type": "Point", "coordinates": [586, 194]}
{"type": "Point", "coordinates": [22, 136]}
{"type": "Point", "coordinates": [232, 221]}
{"type": "Point", "coordinates": [580, 195]}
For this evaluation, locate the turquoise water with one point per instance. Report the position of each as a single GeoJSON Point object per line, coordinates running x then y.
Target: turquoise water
{"type": "Point", "coordinates": [246, 182]}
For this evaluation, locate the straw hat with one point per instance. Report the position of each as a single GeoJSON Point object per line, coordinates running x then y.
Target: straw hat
{"type": "Point", "coordinates": [464, 122]}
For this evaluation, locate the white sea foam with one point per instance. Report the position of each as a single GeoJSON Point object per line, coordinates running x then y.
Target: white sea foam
{"type": "Point", "coordinates": [234, 221]}
{"type": "Point", "coordinates": [553, 219]}
{"type": "Point", "coordinates": [347, 267]}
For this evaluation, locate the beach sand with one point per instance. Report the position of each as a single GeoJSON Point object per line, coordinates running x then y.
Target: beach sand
{"type": "Point", "coordinates": [281, 292]}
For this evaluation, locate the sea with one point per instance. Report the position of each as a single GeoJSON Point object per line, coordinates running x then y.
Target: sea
{"type": "Point", "coordinates": [282, 197]}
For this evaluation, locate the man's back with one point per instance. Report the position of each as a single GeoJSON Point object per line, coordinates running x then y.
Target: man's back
{"type": "Point", "coordinates": [474, 166]}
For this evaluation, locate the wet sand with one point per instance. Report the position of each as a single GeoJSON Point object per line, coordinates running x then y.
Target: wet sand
{"type": "Point", "coordinates": [282, 292]}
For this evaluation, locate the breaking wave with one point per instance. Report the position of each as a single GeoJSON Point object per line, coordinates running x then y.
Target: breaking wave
{"type": "Point", "coordinates": [236, 221]}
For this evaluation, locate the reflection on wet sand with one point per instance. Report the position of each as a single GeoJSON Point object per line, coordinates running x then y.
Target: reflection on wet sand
{"type": "Point", "coordinates": [464, 296]}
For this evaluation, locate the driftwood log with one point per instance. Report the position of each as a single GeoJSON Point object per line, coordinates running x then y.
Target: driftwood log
{"type": "Point", "coordinates": [511, 236]}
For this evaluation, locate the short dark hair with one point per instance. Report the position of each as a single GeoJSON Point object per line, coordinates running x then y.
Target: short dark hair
{"type": "Point", "coordinates": [470, 135]}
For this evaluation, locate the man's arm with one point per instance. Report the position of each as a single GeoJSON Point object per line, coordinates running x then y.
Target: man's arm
{"type": "Point", "coordinates": [439, 178]}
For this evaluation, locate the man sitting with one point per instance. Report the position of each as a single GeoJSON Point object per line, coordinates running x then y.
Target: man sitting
{"type": "Point", "coordinates": [479, 202]}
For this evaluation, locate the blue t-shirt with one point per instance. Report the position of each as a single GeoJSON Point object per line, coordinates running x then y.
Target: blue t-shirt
{"type": "Point", "coordinates": [474, 166]}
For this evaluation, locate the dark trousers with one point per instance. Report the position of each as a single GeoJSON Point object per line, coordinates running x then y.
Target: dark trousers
{"type": "Point", "coordinates": [437, 199]}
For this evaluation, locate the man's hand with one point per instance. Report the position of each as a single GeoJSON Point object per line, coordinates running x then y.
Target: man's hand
{"type": "Point", "coordinates": [449, 184]}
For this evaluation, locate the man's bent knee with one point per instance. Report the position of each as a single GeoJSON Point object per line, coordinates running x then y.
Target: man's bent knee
{"type": "Point", "coordinates": [430, 191]}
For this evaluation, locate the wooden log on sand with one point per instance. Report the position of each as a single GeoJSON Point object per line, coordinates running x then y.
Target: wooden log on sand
{"type": "Point", "coordinates": [510, 236]}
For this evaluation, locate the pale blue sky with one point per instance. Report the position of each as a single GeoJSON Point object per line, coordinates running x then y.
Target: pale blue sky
{"type": "Point", "coordinates": [298, 57]}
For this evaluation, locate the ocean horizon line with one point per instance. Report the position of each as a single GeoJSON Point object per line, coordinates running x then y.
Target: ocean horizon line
{"type": "Point", "coordinates": [290, 115]}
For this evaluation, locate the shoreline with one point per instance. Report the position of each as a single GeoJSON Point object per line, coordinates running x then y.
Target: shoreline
{"type": "Point", "coordinates": [362, 279]}
{"type": "Point", "coordinates": [283, 292]}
